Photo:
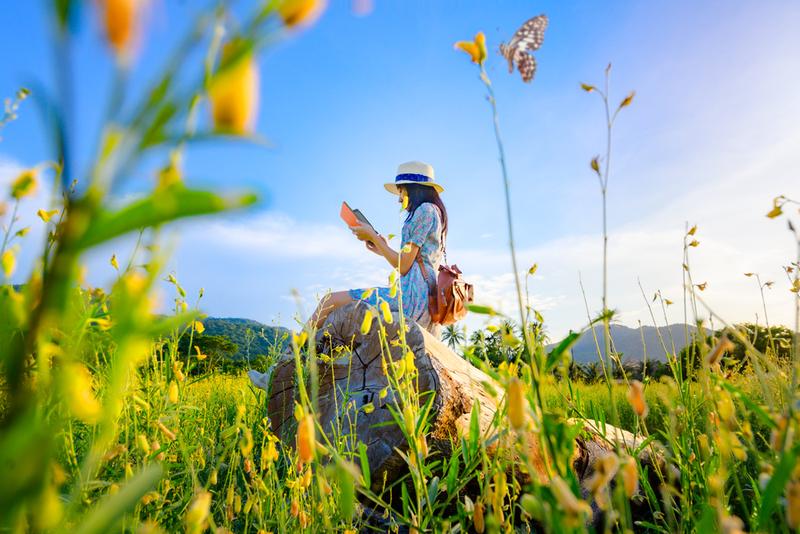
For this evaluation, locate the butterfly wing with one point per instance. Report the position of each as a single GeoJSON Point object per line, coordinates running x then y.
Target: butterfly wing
{"type": "Point", "coordinates": [531, 35]}
{"type": "Point", "coordinates": [526, 64]}
{"type": "Point", "coordinates": [528, 38]}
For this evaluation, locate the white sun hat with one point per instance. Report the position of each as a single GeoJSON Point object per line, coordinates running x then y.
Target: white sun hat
{"type": "Point", "coordinates": [413, 172]}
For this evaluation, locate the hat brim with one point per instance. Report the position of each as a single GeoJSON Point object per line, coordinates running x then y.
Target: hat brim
{"type": "Point", "coordinates": [392, 186]}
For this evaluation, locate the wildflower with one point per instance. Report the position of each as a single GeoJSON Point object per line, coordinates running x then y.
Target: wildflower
{"type": "Point", "coordinates": [173, 392]}
{"type": "Point", "coordinates": [566, 499]}
{"type": "Point", "coordinates": [306, 438]}
{"type": "Point", "coordinates": [156, 446]}
{"type": "Point", "coordinates": [45, 215]}
{"type": "Point", "coordinates": [300, 339]}
{"type": "Point", "coordinates": [303, 519]}
{"type": "Point", "coordinates": [387, 313]}
{"type": "Point", "coordinates": [793, 504]}
{"type": "Point", "coordinates": [199, 327]}
{"type": "Point", "coordinates": [8, 261]}
{"type": "Point", "coordinates": [300, 12]}
{"type": "Point", "coordinates": [177, 371]}
{"type": "Point", "coordinates": [723, 345]}
{"type": "Point", "coordinates": [476, 49]}
{"type": "Point", "coordinates": [169, 434]}
{"type": "Point", "coordinates": [630, 477]}
{"type": "Point", "coordinates": [119, 18]}
{"type": "Point", "coordinates": [49, 510]}
{"type": "Point", "coordinates": [366, 323]}
{"type": "Point", "coordinates": [78, 392]}
{"type": "Point", "coordinates": [605, 470]}
{"type": "Point", "coordinates": [636, 398]}
{"type": "Point", "coordinates": [200, 355]}
{"type": "Point", "coordinates": [295, 508]}
{"type": "Point", "coordinates": [234, 92]}
{"type": "Point", "coordinates": [143, 444]}
{"type": "Point", "coordinates": [271, 454]}
{"type": "Point", "coordinates": [516, 403]}
{"type": "Point", "coordinates": [246, 443]}
{"type": "Point", "coordinates": [197, 513]}
{"type": "Point", "coordinates": [477, 518]}
{"type": "Point", "coordinates": [24, 184]}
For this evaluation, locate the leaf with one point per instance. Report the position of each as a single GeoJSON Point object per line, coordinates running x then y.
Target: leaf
{"type": "Point", "coordinates": [483, 310]}
{"type": "Point", "coordinates": [555, 355]}
{"type": "Point", "coordinates": [110, 509]}
{"type": "Point", "coordinates": [775, 486]}
{"type": "Point", "coordinates": [362, 456]}
{"type": "Point", "coordinates": [157, 209]}
{"type": "Point", "coordinates": [474, 428]}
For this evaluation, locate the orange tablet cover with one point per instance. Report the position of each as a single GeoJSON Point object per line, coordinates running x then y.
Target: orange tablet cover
{"type": "Point", "coordinates": [347, 215]}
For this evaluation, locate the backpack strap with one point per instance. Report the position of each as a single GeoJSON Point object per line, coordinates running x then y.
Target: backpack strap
{"type": "Point", "coordinates": [431, 287]}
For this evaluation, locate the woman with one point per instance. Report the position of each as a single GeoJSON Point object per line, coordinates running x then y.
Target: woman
{"type": "Point", "coordinates": [424, 230]}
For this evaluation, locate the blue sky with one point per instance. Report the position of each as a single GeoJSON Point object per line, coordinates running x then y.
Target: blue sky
{"type": "Point", "coordinates": [713, 134]}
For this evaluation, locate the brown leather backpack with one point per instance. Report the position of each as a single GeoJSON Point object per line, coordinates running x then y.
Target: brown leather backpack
{"type": "Point", "coordinates": [448, 296]}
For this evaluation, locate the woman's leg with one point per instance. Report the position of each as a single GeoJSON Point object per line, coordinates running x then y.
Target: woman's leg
{"type": "Point", "coordinates": [327, 305]}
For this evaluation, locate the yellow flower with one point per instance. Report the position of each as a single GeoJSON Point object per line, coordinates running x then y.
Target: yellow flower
{"type": "Point", "coordinates": [24, 184]}
{"type": "Point", "coordinates": [300, 12]}
{"type": "Point", "coordinates": [515, 396]}
{"type": "Point", "coordinates": [566, 499]}
{"type": "Point", "coordinates": [630, 477]}
{"type": "Point", "coordinates": [169, 434]}
{"type": "Point", "coordinates": [306, 438]}
{"type": "Point", "coordinates": [793, 504]}
{"type": "Point", "coordinates": [234, 92]}
{"type": "Point", "coordinates": [197, 513]}
{"type": "Point", "coordinates": [200, 355]}
{"type": "Point", "coordinates": [636, 398]}
{"type": "Point", "coordinates": [119, 18]}
{"type": "Point", "coordinates": [199, 327]}
{"type": "Point", "coordinates": [113, 261]}
{"type": "Point", "coordinates": [387, 313]}
{"type": "Point", "coordinates": [46, 215]}
{"type": "Point", "coordinates": [173, 392]}
{"type": "Point", "coordinates": [8, 261]}
{"type": "Point", "coordinates": [366, 324]}
{"type": "Point", "coordinates": [78, 389]}
{"type": "Point", "coordinates": [476, 49]}
{"type": "Point", "coordinates": [724, 345]}
{"type": "Point", "coordinates": [477, 518]}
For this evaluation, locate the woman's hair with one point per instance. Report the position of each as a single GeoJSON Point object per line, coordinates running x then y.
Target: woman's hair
{"type": "Point", "coordinates": [419, 195]}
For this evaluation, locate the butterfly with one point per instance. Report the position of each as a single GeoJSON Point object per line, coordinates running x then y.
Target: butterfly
{"type": "Point", "coordinates": [527, 39]}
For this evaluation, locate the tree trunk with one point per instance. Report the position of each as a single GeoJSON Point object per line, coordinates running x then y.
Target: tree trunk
{"type": "Point", "coordinates": [347, 383]}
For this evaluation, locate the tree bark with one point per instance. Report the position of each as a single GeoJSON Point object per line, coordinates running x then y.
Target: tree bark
{"type": "Point", "coordinates": [351, 375]}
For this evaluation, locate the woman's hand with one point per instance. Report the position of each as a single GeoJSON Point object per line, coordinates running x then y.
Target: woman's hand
{"type": "Point", "coordinates": [364, 233]}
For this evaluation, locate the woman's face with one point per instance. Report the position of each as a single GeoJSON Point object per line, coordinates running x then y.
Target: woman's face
{"type": "Point", "coordinates": [403, 196]}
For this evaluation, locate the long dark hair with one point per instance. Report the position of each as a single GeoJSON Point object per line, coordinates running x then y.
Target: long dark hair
{"type": "Point", "coordinates": [419, 195]}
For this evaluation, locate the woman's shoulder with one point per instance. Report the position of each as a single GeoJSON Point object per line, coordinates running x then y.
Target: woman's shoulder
{"type": "Point", "coordinates": [427, 209]}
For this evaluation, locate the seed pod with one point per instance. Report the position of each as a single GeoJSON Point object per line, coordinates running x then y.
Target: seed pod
{"type": "Point", "coordinates": [637, 400]}
{"type": "Point", "coordinates": [477, 518]}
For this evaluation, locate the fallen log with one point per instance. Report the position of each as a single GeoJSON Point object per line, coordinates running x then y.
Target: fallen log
{"type": "Point", "coordinates": [351, 375]}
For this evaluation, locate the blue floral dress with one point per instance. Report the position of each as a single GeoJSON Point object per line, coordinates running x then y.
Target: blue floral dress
{"type": "Point", "coordinates": [423, 229]}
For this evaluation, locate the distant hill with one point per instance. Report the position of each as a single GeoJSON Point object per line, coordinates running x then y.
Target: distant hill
{"type": "Point", "coordinates": [628, 341]}
{"type": "Point", "coordinates": [235, 330]}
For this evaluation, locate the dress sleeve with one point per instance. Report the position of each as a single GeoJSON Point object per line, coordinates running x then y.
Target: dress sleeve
{"type": "Point", "coordinates": [424, 221]}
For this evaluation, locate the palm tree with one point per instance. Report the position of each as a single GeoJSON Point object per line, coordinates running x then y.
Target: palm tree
{"type": "Point", "coordinates": [453, 336]}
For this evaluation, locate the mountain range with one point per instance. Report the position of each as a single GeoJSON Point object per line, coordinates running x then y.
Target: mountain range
{"type": "Point", "coordinates": [633, 343]}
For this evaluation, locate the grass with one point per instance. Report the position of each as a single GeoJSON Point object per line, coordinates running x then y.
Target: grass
{"type": "Point", "coordinates": [106, 425]}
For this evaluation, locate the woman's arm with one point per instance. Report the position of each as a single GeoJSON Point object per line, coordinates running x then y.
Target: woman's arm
{"type": "Point", "coordinates": [379, 246]}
